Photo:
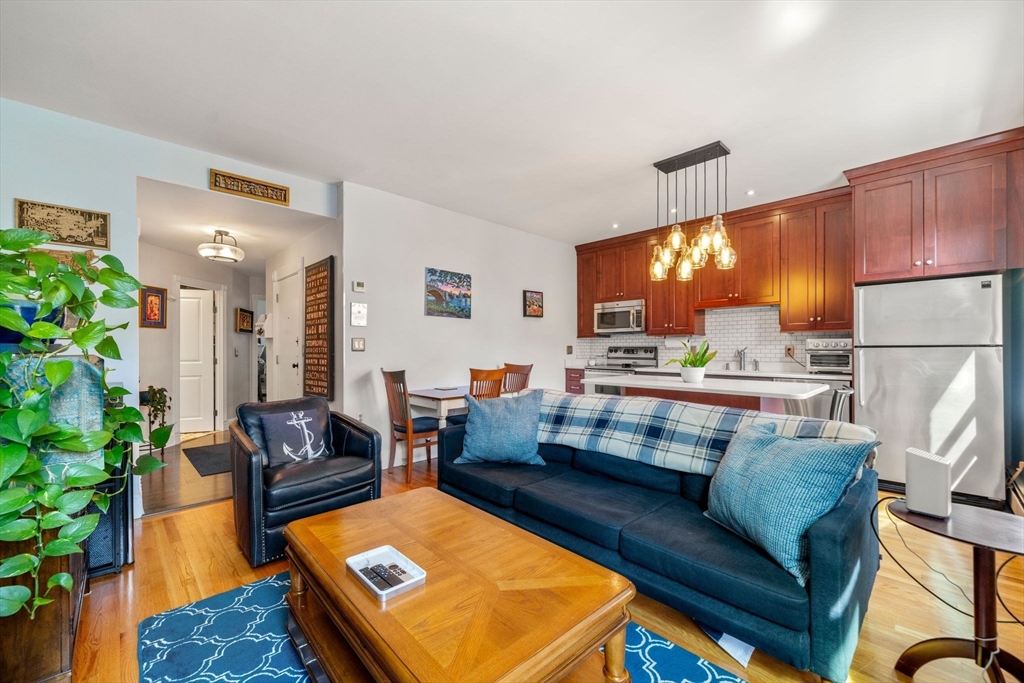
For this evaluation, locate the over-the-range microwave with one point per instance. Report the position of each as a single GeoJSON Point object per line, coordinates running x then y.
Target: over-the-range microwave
{"type": "Point", "coordinates": [620, 316]}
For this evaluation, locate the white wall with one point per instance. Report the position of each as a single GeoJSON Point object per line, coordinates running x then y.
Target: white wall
{"type": "Point", "coordinates": [160, 267]}
{"type": "Point", "coordinates": [59, 159]}
{"type": "Point", "coordinates": [389, 241]}
{"type": "Point", "coordinates": [316, 246]}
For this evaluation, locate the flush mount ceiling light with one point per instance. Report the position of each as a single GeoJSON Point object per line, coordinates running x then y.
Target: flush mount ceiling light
{"type": "Point", "coordinates": [218, 250]}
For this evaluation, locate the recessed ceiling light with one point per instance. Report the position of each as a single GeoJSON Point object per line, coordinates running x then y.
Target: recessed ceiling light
{"type": "Point", "coordinates": [615, 226]}
{"type": "Point", "coordinates": [750, 193]}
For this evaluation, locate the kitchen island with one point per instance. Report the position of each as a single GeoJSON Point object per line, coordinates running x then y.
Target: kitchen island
{"type": "Point", "coordinates": [733, 393]}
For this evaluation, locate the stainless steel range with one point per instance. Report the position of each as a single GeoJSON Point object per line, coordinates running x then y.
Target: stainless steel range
{"type": "Point", "coordinates": [620, 360]}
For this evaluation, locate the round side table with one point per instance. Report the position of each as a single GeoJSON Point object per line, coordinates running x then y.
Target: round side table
{"type": "Point", "coordinates": [988, 531]}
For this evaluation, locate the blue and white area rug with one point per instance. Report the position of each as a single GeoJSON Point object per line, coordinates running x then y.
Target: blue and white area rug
{"type": "Point", "coordinates": [240, 637]}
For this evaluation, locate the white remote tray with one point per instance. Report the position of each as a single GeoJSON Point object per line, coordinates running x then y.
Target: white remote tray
{"type": "Point", "coordinates": [386, 555]}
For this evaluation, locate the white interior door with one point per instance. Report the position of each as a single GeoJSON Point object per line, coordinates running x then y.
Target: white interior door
{"type": "Point", "coordinates": [288, 344]}
{"type": "Point", "coordinates": [196, 369]}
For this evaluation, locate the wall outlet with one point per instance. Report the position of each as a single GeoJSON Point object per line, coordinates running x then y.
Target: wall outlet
{"type": "Point", "coordinates": [789, 350]}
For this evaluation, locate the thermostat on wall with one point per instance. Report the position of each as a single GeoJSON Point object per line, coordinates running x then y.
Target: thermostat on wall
{"type": "Point", "coordinates": [358, 286]}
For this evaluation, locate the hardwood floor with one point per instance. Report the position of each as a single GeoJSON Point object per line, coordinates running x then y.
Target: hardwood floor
{"type": "Point", "coordinates": [179, 485]}
{"type": "Point", "coordinates": [191, 554]}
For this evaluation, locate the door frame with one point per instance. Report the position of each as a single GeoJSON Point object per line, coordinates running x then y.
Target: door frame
{"type": "Point", "coordinates": [222, 416]}
{"type": "Point", "coordinates": [254, 349]}
{"type": "Point", "coordinates": [293, 268]}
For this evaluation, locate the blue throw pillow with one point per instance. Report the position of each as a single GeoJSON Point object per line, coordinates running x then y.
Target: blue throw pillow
{"type": "Point", "coordinates": [770, 489]}
{"type": "Point", "coordinates": [503, 430]}
{"type": "Point", "coordinates": [295, 436]}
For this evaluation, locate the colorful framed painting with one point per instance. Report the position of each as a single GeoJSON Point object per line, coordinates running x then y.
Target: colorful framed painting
{"type": "Point", "coordinates": [448, 294]}
{"type": "Point", "coordinates": [533, 304]}
{"type": "Point", "coordinates": [153, 307]}
{"type": "Point", "coordinates": [243, 320]}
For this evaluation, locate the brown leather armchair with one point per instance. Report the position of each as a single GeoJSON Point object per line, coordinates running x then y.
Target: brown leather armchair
{"type": "Point", "coordinates": [268, 498]}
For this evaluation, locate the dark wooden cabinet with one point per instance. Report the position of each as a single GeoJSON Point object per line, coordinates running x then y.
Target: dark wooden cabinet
{"type": "Point", "coordinates": [755, 278]}
{"type": "Point", "coordinates": [816, 269]}
{"type": "Point", "coordinates": [621, 273]}
{"type": "Point", "coordinates": [947, 211]}
{"type": "Point", "coordinates": [586, 293]}
{"type": "Point", "coordinates": [965, 217]}
{"type": "Point", "coordinates": [670, 305]}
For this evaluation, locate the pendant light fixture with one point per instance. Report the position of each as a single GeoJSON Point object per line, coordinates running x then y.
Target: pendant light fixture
{"type": "Point", "coordinates": [658, 269]}
{"type": "Point", "coordinates": [218, 250]}
{"type": "Point", "coordinates": [712, 238]}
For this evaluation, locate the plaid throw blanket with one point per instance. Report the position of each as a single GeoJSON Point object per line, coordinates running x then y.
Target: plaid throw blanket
{"type": "Point", "coordinates": [688, 437]}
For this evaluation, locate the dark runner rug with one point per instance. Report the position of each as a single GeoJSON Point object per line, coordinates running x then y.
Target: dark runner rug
{"type": "Point", "coordinates": [240, 637]}
{"type": "Point", "coordinates": [209, 460]}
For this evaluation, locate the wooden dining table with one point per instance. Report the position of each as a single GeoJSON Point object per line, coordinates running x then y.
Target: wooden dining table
{"type": "Point", "coordinates": [442, 400]}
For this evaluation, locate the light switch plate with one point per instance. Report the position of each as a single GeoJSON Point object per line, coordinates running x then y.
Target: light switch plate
{"type": "Point", "coordinates": [358, 316]}
{"type": "Point", "coordinates": [358, 286]}
{"type": "Point", "coordinates": [358, 343]}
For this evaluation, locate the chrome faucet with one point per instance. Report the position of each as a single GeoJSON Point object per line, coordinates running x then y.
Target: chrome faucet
{"type": "Point", "coordinates": [742, 355]}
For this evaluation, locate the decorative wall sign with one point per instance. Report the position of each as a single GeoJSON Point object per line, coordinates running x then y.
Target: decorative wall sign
{"type": "Point", "coordinates": [533, 304]}
{"type": "Point", "coordinates": [68, 225]}
{"type": "Point", "coordinates": [318, 353]}
{"type": "Point", "coordinates": [153, 307]}
{"type": "Point", "coordinates": [243, 320]}
{"type": "Point", "coordinates": [67, 257]}
{"type": "Point", "coordinates": [448, 294]}
{"type": "Point", "coordinates": [231, 183]}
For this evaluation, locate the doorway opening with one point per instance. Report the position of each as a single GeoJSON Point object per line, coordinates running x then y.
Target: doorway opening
{"type": "Point", "coordinates": [199, 384]}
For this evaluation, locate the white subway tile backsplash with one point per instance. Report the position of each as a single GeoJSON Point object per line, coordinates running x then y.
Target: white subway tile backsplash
{"type": "Point", "coordinates": [727, 330]}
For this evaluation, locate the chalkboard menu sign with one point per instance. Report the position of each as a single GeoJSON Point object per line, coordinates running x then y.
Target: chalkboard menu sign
{"type": "Point", "coordinates": [318, 353]}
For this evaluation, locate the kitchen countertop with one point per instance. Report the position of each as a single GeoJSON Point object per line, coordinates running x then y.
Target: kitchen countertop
{"type": "Point", "coordinates": [710, 385]}
{"type": "Point", "coordinates": [764, 374]}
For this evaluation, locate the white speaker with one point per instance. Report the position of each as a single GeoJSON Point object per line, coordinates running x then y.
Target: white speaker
{"type": "Point", "coordinates": [929, 483]}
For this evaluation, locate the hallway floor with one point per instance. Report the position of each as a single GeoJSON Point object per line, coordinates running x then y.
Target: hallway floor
{"type": "Point", "coordinates": [179, 485]}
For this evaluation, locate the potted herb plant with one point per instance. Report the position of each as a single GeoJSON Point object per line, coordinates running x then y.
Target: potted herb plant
{"type": "Point", "coordinates": [693, 363]}
{"type": "Point", "coordinates": [49, 469]}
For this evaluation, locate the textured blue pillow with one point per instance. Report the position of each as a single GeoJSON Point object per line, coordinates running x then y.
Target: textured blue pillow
{"type": "Point", "coordinates": [770, 489]}
{"type": "Point", "coordinates": [503, 430]}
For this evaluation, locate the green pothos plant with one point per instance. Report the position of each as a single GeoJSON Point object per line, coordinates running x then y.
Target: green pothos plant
{"type": "Point", "coordinates": [41, 503]}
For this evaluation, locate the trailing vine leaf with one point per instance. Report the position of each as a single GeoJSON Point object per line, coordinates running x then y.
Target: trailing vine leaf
{"type": "Point", "coordinates": [90, 335]}
{"type": "Point", "coordinates": [12, 320]}
{"type": "Point", "coordinates": [146, 464]}
{"type": "Point", "coordinates": [113, 263]}
{"type": "Point", "coordinates": [12, 599]}
{"type": "Point", "coordinates": [20, 239]}
{"type": "Point", "coordinates": [80, 528]}
{"type": "Point", "coordinates": [108, 349]}
{"type": "Point", "coordinates": [58, 372]}
{"type": "Point", "coordinates": [12, 457]}
{"type": "Point", "coordinates": [17, 565]}
{"type": "Point", "coordinates": [14, 499]}
{"type": "Point", "coordinates": [18, 530]}
{"type": "Point", "coordinates": [63, 579]}
{"type": "Point", "coordinates": [54, 519]}
{"type": "Point", "coordinates": [114, 299]}
{"type": "Point", "coordinates": [161, 436]}
{"type": "Point", "coordinates": [73, 501]}
{"type": "Point", "coordinates": [60, 546]}
{"type": "Point", "coordinates": [80, 474]}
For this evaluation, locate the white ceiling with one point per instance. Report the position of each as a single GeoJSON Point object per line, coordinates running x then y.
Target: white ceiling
{"type": "Point", "coordinates": [180, 218]}
{"type": "Point", "coordinates": [541, 116]}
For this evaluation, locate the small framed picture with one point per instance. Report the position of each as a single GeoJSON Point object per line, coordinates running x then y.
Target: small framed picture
{"type": "Point", "coordinates": [153, 307]}
{"type": "Point", "coordinates": [533, 304]}
{"type": "Point", "coordinates": [243, 320]}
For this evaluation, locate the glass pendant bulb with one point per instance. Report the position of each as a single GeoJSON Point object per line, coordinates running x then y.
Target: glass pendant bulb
{"type": "Point", "coordinates": [698, 257]}
{"type": "Point", "coordinates": [726, 258]}
{"type": "Point", "coordinates": [718, 235]}
{"type": "Point", "coordinates": [704, 238]}
{"type": "Point", "coordinates": [658, 269]}
{"type": "Point", "coordinates": [668, 256]}
{"type": "Point", "coordinates": [677, 238]}
{"type": "Point", "coordinates": [684, 270]}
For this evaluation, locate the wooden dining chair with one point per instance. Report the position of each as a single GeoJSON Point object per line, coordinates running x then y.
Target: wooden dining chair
{"type": "Point", "coordinates": [405, 427]}
{"type": "Point", "coordinates": [483, 384]}
{"type": "Point", "coordinates": [517, 377]}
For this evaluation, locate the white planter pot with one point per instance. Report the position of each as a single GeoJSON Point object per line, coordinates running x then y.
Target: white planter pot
{"type": "Point", "coordinates": [692, 375]}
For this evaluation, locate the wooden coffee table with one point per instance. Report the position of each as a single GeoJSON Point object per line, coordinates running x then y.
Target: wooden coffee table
{"type": "Point", "coordinates": [499, 603]}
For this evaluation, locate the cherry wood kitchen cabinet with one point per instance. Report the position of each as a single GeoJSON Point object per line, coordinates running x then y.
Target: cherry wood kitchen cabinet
{"type": "Point", "coordinates": [670, 303]}
{"type": "Point", "coordinates": [622, 273]}
{"type": "Point", "coordinates": [755, 278]}
{"type": "Point", "coordinates": [586, 293]}
{"type": "Point", "coordinates": [816, 269]}
{"type": "Point", "coordinates": [574, 380]}
{"type": "Point", "coordinates": [948, 211]}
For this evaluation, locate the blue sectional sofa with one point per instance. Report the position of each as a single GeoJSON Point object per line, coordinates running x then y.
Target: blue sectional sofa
{"type": "Point", "coordinates": [647, 523]}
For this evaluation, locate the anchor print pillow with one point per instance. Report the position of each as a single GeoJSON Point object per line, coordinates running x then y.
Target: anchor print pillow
{"type": "Point", "coordinates": [295, 436]}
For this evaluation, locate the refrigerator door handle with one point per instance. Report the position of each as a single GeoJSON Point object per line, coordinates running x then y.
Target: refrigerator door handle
{"type": "Point", "coordinates": [860, 378]}
{"type": "Point", "coordinates": [860, 315]}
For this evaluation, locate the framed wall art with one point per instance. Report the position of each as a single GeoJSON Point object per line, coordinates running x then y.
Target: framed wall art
{"type": "Point", "coordinates": [243, 320]}
{"type": "Point", "coordinates": [533, 304]}
{"type": "Point", "coordinates": [318, 346]}
{"type": "Point", "coordinates": [153, 307]}
{"type": "Point", "coordinates": [448, 294]}
{"type": "Point", "coordinates": [68, 225]}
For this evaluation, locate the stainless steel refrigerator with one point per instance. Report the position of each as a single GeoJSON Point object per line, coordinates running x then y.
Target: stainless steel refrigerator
{"type": "Point", "coordinates": [928, 373]}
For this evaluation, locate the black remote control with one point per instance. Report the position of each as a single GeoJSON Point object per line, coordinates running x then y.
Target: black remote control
{"type": "Point", "coordinates": [372, 577]}
{"type": "Point", "coordinates": [385, 574]}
